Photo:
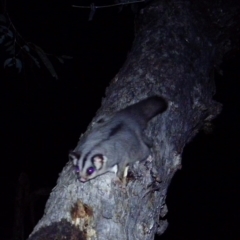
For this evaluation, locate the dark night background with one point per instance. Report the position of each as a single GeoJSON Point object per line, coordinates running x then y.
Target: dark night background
{"type": "Point", "coordinates": [43, 117]}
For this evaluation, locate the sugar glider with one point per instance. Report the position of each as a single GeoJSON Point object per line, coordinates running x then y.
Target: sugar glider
{"type": "Point", "coordinates": [116, 142]}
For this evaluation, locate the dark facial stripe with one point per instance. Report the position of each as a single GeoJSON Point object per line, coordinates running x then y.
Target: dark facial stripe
{"type": "Point", "coordinates": [115, 129]}
{"type": "Point", "coordinates": [85, 159]}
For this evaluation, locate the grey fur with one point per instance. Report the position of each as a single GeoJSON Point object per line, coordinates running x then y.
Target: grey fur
{"type": "Point", "coordinates": [118, 141]}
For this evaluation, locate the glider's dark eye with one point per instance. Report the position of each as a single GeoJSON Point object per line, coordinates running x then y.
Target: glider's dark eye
{"type": "Point", "coordinates": [90, 170]}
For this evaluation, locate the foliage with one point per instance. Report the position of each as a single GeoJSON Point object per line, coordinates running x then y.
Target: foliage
{"type": "Point", "coordinates": [17, 48]}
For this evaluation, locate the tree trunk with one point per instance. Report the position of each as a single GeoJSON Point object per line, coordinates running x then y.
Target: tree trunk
{"type": "Point", "coordinates": [173, 55]}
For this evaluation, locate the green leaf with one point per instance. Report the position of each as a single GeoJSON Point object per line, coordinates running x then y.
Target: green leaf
{"type": "Point", "coordinates": [26, 48]}
{"type": "Point", "coordinates": [7, 62]}
{"type": "Point", "coordinates": [2, 38]}
{"type": "Point", "coordinates": [46, 61]}
{"type": "Point", "coordinates": [34, 59]}
{"type": "Point", "coordinates": [3, 28]}
{"type": "Point", "coordinates": [18, 64]}
{"type": "Point", "coordinates": [9, 33]}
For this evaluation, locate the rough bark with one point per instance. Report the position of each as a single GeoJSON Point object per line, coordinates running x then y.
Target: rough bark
{"type": "Point", "coordinates": [173, 55]}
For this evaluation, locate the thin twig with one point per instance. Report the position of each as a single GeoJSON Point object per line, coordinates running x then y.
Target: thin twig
{"type": "Point", "coordinates": [107, 6]}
